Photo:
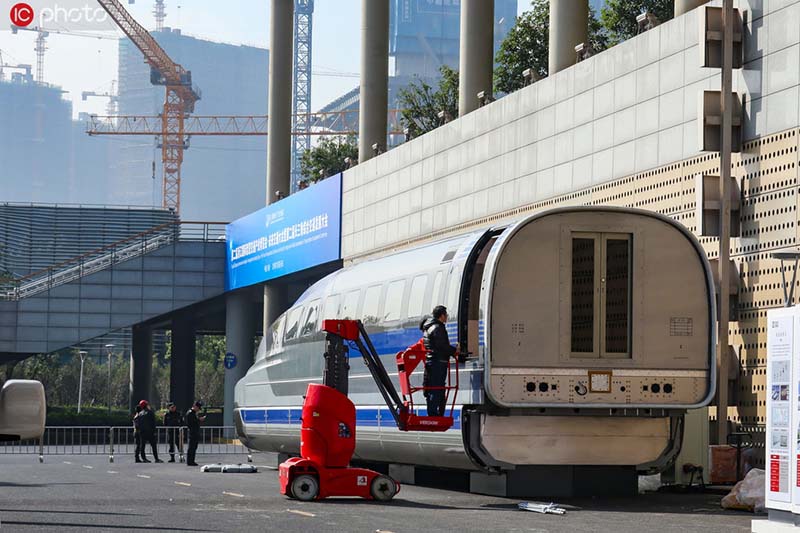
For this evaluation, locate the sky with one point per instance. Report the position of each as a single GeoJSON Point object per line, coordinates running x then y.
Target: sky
{"type": "Point", "coordinates": [89, 64]}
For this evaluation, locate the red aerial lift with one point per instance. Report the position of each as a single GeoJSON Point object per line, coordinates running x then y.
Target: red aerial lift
{"type": "Point", "coordinates": [328, 431]}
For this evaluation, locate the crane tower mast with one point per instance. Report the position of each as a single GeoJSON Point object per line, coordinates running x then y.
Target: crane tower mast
{"type": "Point", "coordinates": [301, 102]}
{"type": "Point", "coordinates": [179, 101]}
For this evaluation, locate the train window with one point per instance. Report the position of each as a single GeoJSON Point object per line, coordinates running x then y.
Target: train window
{"type": "Point", "coordinates": [277, 333]}
{"type": "Point", "coordinates": [331, 309]}
{"type": "Point", "coordinates": [310, 323]}
{"type": "Point", "coordinates": [452, 294]}
{"type": "Point", "coordinates": [437, 287]}
{"type": "Point", "coordinates": [416, 298]}
{"type": "Point", "coordinates": [393, 308]}
{"type": "Point", "coordinates": [369, 311]}
{"type": "Point", "coordinates": [601, 295]}
{"type": "Point", "coordinates": [350, 305]}
{"type": "Point", "coordinates": [293, 323]}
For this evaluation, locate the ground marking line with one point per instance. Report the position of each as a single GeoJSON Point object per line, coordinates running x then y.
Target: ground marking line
{"type": "Point", "coordinates": [87, 466]}
{"type": "Point", "coordinates": [67, 463]}
{"type": "Point", "coordinates": [302, 513]}
{"type": "Point", "coordinates": [236, 494]}
{"type": "Point", "coordinates": [183, 483]}
{"type": "Point", "coordinates": [112, 471]}
{"type": "Point", "coordinates": [143, 476]}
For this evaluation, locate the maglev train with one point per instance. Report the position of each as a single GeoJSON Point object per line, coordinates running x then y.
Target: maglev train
{"type": "Point", "coordinates": [590, 332]}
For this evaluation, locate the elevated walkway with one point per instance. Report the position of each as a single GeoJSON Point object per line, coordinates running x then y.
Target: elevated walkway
{"type": "Point", "coordinates": [166, 268]}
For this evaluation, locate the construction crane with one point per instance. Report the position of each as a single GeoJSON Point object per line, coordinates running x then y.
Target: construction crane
{"type": "Point", "coordinates": [301, 101]}
{"type": "Point", "coordinates": [179, 101]}
{"type": "Point", "coordinates": [159, 14]}
{"type": "Point", "coordinates": [113, 98]}
{"type": "Point", "coordinates": [41, 43]}
{"type": "Point", "coordinates": [341, 123]}
{"type": "Point", "coordinates": [40, 48]}
{"type": "Point", "coordinates": [23, 78]}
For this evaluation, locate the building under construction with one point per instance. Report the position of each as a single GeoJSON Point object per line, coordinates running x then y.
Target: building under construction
{"type": "Point", "coordinates": [36, 119]}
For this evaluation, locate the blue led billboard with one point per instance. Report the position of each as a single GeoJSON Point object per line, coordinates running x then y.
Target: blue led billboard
{"type": "Point", "coordinates": [299, 232]}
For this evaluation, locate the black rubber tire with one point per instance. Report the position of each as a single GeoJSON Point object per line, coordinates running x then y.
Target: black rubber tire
{"type": "Point", "coordinates": [304, 488]}
{"type": "Point", "coordinates": [383, 488]}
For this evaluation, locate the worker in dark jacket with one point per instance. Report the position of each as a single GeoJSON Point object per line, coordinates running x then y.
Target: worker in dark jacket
{"type": "Point", "coordinates": [172, 421]}
{"type": "Point", "coordinates": [439, 351]}
{"type": "Point", "coordinates": [137, 436]}
{"type": "Point", "coordinates": [193, 424]}
{"type": "Point", "coordinates": [147, 429]}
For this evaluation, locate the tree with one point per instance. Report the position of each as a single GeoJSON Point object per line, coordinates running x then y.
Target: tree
{"type": "Point", "coordinates": [421, 103]}
{"type": "Point", "coordinates": [618, 17]}
{"type": "Point", "coordinates": [327, 158]}
{"type": "Point", "coordinates": [527, 45]}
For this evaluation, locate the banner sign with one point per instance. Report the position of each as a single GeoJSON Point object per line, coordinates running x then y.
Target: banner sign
{"type": "Point", "coordinates": [780, 439]}
{"type": "Point", "coordinates": [296, 233]}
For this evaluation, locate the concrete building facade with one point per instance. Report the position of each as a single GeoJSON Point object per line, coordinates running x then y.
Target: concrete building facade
{"type": "Point", "coordinates": [617, 129]}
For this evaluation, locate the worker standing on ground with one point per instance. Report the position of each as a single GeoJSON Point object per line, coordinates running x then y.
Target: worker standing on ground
{"type": "Point", "coordinates": [147, 429]}
{"type": "Point", "coordinates": [173, 421]}
{"type": "Point", "coordinates": [137, 436]}
{"type": "Point", "coordinates": [439, 351]}
{"type": "Point", "coordinates": [193, 424]}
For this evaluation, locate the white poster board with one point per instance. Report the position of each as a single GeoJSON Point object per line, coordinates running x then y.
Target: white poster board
{"type": "Point", "coordinates": [794, 398]}
{"type": "Point", "coordinates": [781, 442]}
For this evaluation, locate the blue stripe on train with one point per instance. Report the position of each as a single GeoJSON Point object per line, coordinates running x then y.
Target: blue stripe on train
{"type": "Point", "coordinates": [364, 417]}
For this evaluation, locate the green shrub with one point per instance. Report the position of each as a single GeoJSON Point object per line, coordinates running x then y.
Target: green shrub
{"type": "Point", "coordinates": [89, 416]}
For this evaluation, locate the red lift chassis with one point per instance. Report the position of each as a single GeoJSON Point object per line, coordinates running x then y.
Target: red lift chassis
{"type": "Point", "coordinates": [328, 432]}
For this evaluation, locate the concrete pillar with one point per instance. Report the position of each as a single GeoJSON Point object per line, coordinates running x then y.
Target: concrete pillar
{"type": "Point", "coordinates": [182, 362]}
{"type": "Point", "coordinates": [374, 98]}
{"type": "Point", "coordinates": [279, 127]}
{"type": "Point", "coordinates": [276, 301]}
{"type": "Point", "coordinates": [569, 22]}
{"type": "Point", "coordinates": [240, 329]}
{"type": "Point", "coordinates": [476, 56]}
{"type": "Point", "coordinates": [682, 6]}
{"type": "Point", "coordinates": [279, 147]}
{"type": "Point", "coordinates": [141, 385]}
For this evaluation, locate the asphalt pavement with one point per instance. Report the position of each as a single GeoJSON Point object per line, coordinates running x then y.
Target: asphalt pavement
{"type": "Point", "coordinates": [89, 494]}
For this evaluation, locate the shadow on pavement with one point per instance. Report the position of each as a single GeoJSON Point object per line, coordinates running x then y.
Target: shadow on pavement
{"type": "Point", "coordinates": [101, 526]}
{"type": "Point", "coordinates": [50, 511]}
{"type": "Point", "coordinates": [36, 485]}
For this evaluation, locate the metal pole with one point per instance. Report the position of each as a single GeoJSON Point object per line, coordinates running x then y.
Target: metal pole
{"type": "Point", "coordinates": [109, 383]}
{"type": "Point", "coordinates": [725, 223]}
{"type": "Point", "coordinates": [80, 381]}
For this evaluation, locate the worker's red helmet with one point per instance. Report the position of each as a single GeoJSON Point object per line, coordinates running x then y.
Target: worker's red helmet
{"type": "Point", "coordinates": [143, 404]}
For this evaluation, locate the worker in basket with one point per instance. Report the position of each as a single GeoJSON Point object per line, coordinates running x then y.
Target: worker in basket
{"type": "Point", "coordinates": [439, 351]}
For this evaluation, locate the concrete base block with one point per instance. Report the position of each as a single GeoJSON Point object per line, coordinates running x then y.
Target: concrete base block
{"type": "Point", "coordinates": [557, 482]}
{"type": "Point", "coordinates": [402, 473]}
{"type": "Point", "coordinates": [489, 484]}
{"type": "Point", "coordinates": [764, 525]}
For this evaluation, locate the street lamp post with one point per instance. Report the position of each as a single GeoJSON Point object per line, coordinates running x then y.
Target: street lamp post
{"type": "Point", "coordinates": [108, 350]}
{"type": "Point", "coordinates": [82, 353]}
